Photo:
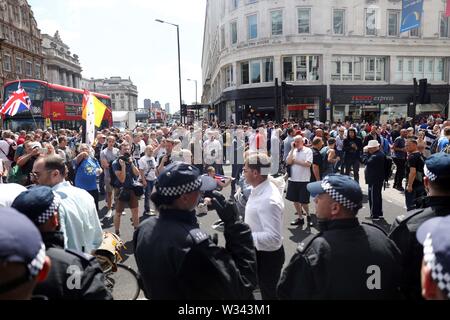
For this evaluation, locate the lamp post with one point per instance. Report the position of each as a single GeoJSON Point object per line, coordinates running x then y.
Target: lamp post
{"type": "Point", "coordinates": [179, 63]}
{"type": "Point", "coordinates": [195, 89]}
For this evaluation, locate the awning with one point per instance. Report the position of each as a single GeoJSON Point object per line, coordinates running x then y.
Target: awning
{"type": "Point", "coordinates": [301, 107]}
{"type": "Point", "coordinates": [432, 107]}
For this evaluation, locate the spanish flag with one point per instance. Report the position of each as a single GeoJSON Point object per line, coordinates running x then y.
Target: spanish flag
{"type": "Point", "coordinates": [90, 102]}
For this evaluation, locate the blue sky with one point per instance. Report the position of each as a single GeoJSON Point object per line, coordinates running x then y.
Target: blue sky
{"type": "Point", "coordinates": [121, 38]}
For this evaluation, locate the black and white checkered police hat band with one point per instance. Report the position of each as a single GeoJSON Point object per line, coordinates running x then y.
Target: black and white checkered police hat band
{"type": "Point", "coordinates": [43, 218]}
{"type": "Point", "coordinates": [179, 190]}
{"type": "Point", "coordinates": [337, 196]}
{"type": "Point", "coordinates": [437, 271]}
{"type": "Point", "coordinates": [36, 265]}
{"type": "Point", "coordinates": [429, 174]}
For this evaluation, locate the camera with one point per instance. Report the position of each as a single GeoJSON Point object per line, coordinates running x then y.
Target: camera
{"type": "Point", "coordinates": [125, 157]}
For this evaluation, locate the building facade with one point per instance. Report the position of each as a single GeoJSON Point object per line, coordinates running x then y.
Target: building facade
{"type": "Point", "coordinates": [20, 42]}
{"type": "Point", "coordinates": [331, 59]}
{"type": "Point", "coordinates": [147, 104]}
{"type": "Point", "coordinates": [62, 67]}
{"type": "Point", "coordinates": [123, 93]}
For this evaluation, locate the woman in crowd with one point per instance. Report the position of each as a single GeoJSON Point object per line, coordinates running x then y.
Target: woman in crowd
{"type": "Point", "coordinates": [87, 169]}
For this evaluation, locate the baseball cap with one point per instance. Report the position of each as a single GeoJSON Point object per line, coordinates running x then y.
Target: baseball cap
{"type": "Point", "coordinates": [178, 178]}
{"type": "Point", "coordinates": [437, 166]}
{"type": "Point", "coordinates": [342, 189]}
{"type": "Point", "coordinates": [38, 204]}
{"type": "Point", "coordinates": [20, 242]}
{"type": "Point", "coordinates": [434, 235]}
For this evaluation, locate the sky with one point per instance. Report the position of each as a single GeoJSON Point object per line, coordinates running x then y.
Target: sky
{"type": "Point", "coordinates": [121, 38]}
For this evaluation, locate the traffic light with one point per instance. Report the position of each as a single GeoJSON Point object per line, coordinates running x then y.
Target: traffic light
{"type": "Point", "coordinates": [424, 96]}
{"type": "Point", "coordinates": [184, 110]}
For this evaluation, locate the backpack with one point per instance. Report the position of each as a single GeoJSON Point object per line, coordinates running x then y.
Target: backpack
{"type": "Point", "coordinates": [324, 155]}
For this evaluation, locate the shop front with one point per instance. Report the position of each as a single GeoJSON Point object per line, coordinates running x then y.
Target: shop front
{"type": "Point", "coordinates": [378, 103]}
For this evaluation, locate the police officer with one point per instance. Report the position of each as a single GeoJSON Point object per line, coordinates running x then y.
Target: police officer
{"type": "Point", "coordinates": [434, 235]}
{"type": "Point", "coordinates": [346, 260]}
{"type": "Point", "coordinates": [40, 205]}
{"type": "Point", "coordinates": [403, 233]}
{"type": "Point", "coordinates": [177, 260]}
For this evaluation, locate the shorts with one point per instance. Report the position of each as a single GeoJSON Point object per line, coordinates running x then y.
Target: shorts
{"type": "Point", "coordinates": [108, 187]}
{"type": "Point", "coordinates": [297, 192]}
{"type": "Point", "coordinates": [121, 205]}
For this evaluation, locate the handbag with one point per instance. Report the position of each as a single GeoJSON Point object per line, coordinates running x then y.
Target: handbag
{"type": "Point", "coordinates": [124, 195]}
{"type": "Point", "coordinates": [138, 189]}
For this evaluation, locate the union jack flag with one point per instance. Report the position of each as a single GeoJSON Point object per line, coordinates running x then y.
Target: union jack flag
{"type": "Point", "coordinates": [17, 102]}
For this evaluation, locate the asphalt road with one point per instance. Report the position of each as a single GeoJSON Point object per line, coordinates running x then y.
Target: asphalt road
{"type": "Point", "coordinates": [393, 206]}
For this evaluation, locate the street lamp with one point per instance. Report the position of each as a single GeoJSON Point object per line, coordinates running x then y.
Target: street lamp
{"type": "Point", "coordinates": [195, 90]}
{"type": "Point", "coordinates": [179, 64]}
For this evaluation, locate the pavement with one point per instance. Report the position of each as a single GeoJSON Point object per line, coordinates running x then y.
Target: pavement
{"type": "Point", "coordinates": [393, 206]}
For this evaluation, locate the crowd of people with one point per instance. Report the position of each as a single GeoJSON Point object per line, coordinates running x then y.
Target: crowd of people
{"type": "Point", "coordinates": [56, 181]}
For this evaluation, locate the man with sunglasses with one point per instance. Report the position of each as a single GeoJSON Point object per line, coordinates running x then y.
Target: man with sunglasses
{"type": "Point", "coordinates": [78, 216]}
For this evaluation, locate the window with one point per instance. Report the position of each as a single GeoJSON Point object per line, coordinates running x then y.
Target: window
{"type": "Point", "coordinates": [222, 38]}
{"type": "Point", "coordinates": [29, 69]}
{"type": "Point", "coordinates": [256, 71]}
{"type": "Point", "coordinates": [288, 75]}
{"type": "Point", "coordinates": [444, 33]}
{"type": "Point", "coordinates": [301, 68]}
{"type": "Point", "coordinates": [234, 4]}
{"type": "Point", "coordinates": [37, 71]}
{"type": "Point", "coordinates": [252, 26]}
{"type": "Point", "coordinates": [414, 33]}
{"type": "Point", "coordinates": [350, 68]}
{"type": "Point", "coordinates": [245, 78]}
{"type": "Point", "coordinates": [306, 68]}
{"type": "Point", "coordinates": [277, 22]}
{"type": "Point", "coordinates": [393, 26]}
{"type": "Point", "coordinates": [18, 66]}
{"type": "Point", "coordinates": [229, 76]}
{"type": "Point", "coordinates": [233, 31]}
{"type": "Point", "coordinates": [268, 70]}
{"type": "Point", "coordinates": [7, 62]}
{"type": "Point", "coordinates": [338, 21]}
{"type": "Point", "coordinates": [304, 20]}
{"type": "Point", "coordinates": [371, 18]}
{"type": "Point", "coordinates": [430, 68]}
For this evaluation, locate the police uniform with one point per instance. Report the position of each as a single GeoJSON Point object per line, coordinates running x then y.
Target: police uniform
{"type": "Point", "coordinates": [346, 260]}
{"type": "Point", "coordinates": [73, 275]}
{"type": "Point", "coordinates": [434, 236]}
{"type": "Point", "coordinates": [403, 231]}
{"type": "Point", "coordinates": [177, 260]}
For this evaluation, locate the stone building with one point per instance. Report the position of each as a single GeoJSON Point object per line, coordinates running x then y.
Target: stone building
{"type": "Point", "coordinates": [332, 59]}
{"type": "Point", "coordinates": [62, 67]}
{"type": "Point", "coordinates": [20, 42]}
{"type": "Point", "coordinates": [123, 93]}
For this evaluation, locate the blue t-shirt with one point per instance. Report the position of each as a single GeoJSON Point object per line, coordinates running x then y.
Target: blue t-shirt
{"type": "Point", "coordinates": [443, 142]}
{"type": "Point", "coordinates": [130, 178]}
{"type": "Point", "coordinates": [86, 176]}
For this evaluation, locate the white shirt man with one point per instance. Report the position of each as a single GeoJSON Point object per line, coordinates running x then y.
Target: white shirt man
{"type": "Point", "coordinates": [300, 159]}
{"type": "Point", "coordinates": [264, 215]}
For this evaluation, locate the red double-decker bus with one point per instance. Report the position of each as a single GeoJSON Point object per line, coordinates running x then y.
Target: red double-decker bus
{"type": "Point", "coordinates": [52, 105]}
